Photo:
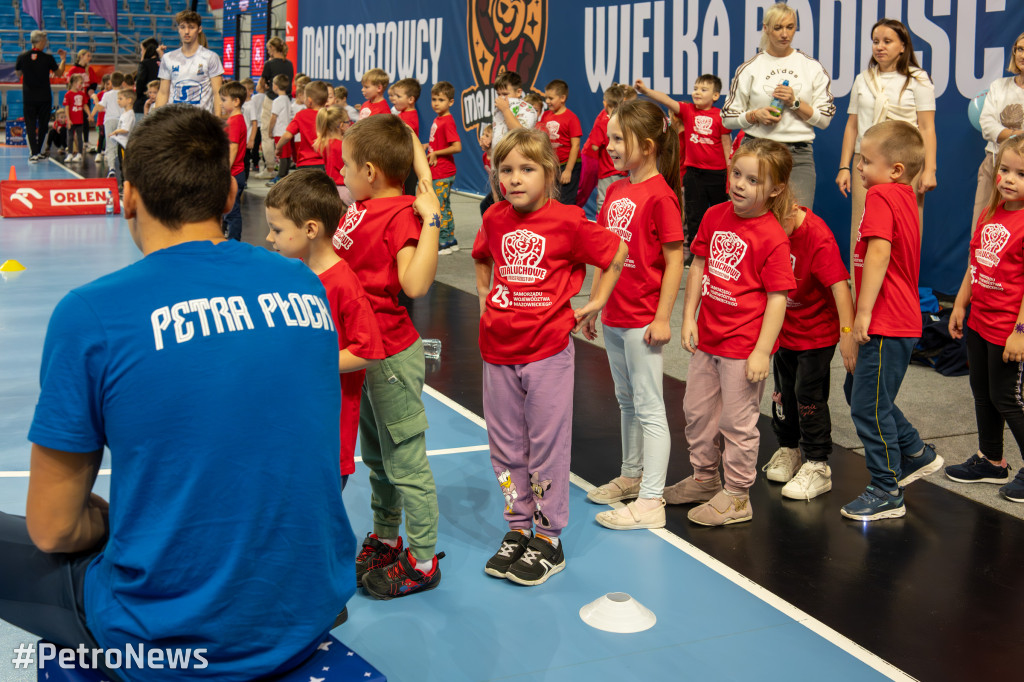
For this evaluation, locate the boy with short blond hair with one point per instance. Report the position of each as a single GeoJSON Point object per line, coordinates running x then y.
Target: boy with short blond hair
{"type": "Point", "coordinates": [382, 239]}
{"type": "Point", "coordinates": [303, 211]}
{"type": "Point", "coordinates": [303, 127]}
{"type": "Point", "coordinates": [281, 113]}
{"type": "Point", "coordinates": [152, 90]}
{"type": "Point", "coordinates": [232, 96]}
{"type": "Point", "coordinates": [407, 93]}
{"type": "Point", "coordinates": [444, 142]}
{"type": "Point", "coordinates": [887, 324]}
{"type": "Point", "coordinates": [123, 128]}
{"type": "Point", "coordinates": [564, 130]}
{"type": "Point", "coordinates": [375, 84]}
{"type": "Point", "coordinates": [108, 113]}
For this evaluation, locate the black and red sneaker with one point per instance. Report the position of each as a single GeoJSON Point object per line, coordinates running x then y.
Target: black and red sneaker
{"type": "Point", "coordinates": [375, 554]}
{"type": "Point", "coordinates": [400, 579]}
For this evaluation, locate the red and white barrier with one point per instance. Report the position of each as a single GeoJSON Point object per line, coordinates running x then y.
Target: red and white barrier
{"type": "Point", "coordinates": [31, 198]}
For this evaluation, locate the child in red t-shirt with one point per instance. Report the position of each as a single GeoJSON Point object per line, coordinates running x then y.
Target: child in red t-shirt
{"type": "Point", "coordinates": [375, 84]}
{"type": "Point", "coordinates": [302, 210]}
{"type": "Point", "coordinates": [739, 278]}
{"type": "Point", "coordinates": [58, 134]}
{"type": "Point", "coordinates": [75, 110]}
{"type": "Point", "coordinates": [597, 168]}
{"type": "Point", "coordinates": [443, 144]}
{"type": "Point", "coordinates": [330, 126]}
{"type": "Point", "coordinates": [643, 209]}
{"type": "Point", "coordinates": [486, 138]}
{"type": "Point", "coordinates": [232, 96]}
{"type": "Point", "coordinates": [816, 311]}
{"type": "Point", "coordinates": [383, 241]}
{"type": "Point", "coordinates": [536, 250]}
{"type": "Point", "coordinates": [994, 288]}
{"type": "Point", "coordinates": [706, 147]}
{"type": "Point", "coordinates": [886, 263]}
{"type": "Point", "coordinates": [563, 129]}
{"type": "Point", "coordinates": [404, 94]}
{"type": "Point", "coordinates": [302, 128]}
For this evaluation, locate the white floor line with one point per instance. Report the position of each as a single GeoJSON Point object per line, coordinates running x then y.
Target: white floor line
{"type": "Point", "coordinates": [63, 167]}
{"type": "Point", "coordinates": [813, 624]}
{"type": "Point", "coordinates": [24, 474]}
{"type": "Point", "coordinates": [451, 451]}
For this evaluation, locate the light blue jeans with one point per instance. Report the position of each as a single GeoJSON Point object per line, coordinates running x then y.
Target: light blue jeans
{"type": "Point", "coordinates": [637, 370]}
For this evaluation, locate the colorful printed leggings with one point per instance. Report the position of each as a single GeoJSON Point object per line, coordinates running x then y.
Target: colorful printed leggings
{"type": "Point", "coordinates": [443, 190]}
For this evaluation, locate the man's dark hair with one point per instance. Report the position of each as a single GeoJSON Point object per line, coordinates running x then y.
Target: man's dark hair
{"type": "Point", "coordinates": [308, 194]}
{"type": "Point", "coordinates": [177, 160]}
{"type": "Point", "coordinates": [384, 141]}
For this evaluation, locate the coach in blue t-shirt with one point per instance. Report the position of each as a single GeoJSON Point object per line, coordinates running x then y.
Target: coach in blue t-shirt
{"type": "Point", "coordinates": [210, 370]}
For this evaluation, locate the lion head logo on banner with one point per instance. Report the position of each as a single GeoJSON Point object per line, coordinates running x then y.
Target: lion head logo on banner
{"type": "Point", "coordinates": [504, 35]}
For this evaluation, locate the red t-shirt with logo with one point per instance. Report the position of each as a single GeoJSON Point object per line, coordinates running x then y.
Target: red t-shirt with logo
{"type": "Point", "coordinates": [357, 333]}
{"type": "Point", "coordinates": [303, 130]}
{"type": "Point", "coordinates": [237, 134]}
{"type": "Point", "coordinates": [702, 137]}
{"type": "Point", "coordinates": [333, 162]}
{"type": "Point", "coordinates": [412, 118]}
{"type": "Point", "coordinates": [442, 135]}
{"type": "Point", "coordinates": [561, 128]}
{"type": "Point", "coordinates": [374, 108]}
{"type": "Point", "coordinates": [646, 216]}
{"type": "Point", "coordinates": [812, 320]}
{"type": "Point", "coordinates": [487, 162]}
{"type": "Point", "coordinates": [540, 260]}
{"type": "Point", "coordinates": [890, 213]}
{"type": "Point", "coordinates": [745, 258]}
{"type": "Point", "coordinates": [369, 237]}
{"type": "Point", "coordinates": [75, 103]}
{"type": "Point", "coordinates": [997, 275]}
{"type": "Point", "coordinates": [599, 138]}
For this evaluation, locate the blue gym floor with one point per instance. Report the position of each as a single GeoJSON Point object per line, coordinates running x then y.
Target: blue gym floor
{"type": "Point", "coordinates": [713, 623]}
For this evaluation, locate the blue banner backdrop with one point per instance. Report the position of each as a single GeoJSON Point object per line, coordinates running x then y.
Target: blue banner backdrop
{"type": "Point", "coordinates": [963, 44]}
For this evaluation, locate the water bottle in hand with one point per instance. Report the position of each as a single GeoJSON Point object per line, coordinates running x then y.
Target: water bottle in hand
{"type": "Point", "coordinates": [776, 104]}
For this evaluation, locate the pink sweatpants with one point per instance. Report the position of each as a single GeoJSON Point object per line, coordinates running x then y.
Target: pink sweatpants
{"type": "Point", "coordinates": [719, 399]}
{"type": "Point", "coordinates": [528, 409]}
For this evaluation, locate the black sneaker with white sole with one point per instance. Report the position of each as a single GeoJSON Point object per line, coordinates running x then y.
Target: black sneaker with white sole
{"type": "Point", "coordinates": [978, 469]}
{"type": "Point", "coordinates": [1014, 490]}
{"type": "Point", "coordinates": [513, 545]}
{"type": "Point", "coordinates": [540, 561]}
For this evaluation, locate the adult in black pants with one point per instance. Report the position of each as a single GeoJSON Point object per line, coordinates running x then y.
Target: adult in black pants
{"type": "Point", "coordinates": [148, 71]}
{"type": "Point", "coordinates": [34, 67]}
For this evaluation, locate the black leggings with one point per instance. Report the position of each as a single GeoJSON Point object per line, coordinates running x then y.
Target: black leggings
{"type": "Point", "coordinates": [800, 415]}
{"type": "Point", "coordinates": [76, 136]}
{"type": "Point", "coordinates": [996, 386]}
{"type": "Point", "coordinates": [37, 118]}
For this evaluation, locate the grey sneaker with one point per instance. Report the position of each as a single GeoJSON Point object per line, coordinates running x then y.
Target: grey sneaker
{"type": "Point", "coordinates": [690, 490]}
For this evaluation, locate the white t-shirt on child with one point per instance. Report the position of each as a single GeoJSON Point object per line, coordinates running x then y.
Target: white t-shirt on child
{"type": "Point", "coordinates": [125, 122]}
{"type": "Point", "coordinates": [282, 108]}
{"type": "Point", "coordinates": [111, 109]}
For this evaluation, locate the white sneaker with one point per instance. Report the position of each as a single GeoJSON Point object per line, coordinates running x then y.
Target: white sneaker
{"type": "Point", "coordinates": [813, 479]}
{"type": "Point", "coordinates": [454, 248]}
{"type": "Point", "coordinates": [69, 158]}
{"type": "Point", "coordinates": [76, 158]}
{"type": "Point", "coordinates": [783, 464]}
{"type": "Point", "coordinates": [444, 252]}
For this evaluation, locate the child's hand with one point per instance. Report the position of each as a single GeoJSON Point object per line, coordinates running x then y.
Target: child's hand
{"type": "Point", "coordinates": [1014, 351]}
{"type": "Point", "coordinates": [428, 208]}
{"type": "Point", "coordinates": [566, 176]}
{"type": "Point", "coordinates": [431, 159]}
{"type": "Point", "coordinates": [758, 365]}
{"type": "Point", "coordinates": [501, 103]}
{"type": "Point", "coordinates": [590, 329]}
{"type": "Point", "coordinates": [689, 334]}
{"type": "Point", "coordinates": [956, 321]}
{"type": "Point", "coordinates": [848, 349]}
{"type": "Point", "coordinates": [843, 178]}
{"type": "Point", "coordinates": [861, 323]}
{"type": "Point", "coordinates": [658, 333]}
{"type": "Point", "coordinates": [586, 314]}
{"type": "Point", "coordinates": [640, 87]}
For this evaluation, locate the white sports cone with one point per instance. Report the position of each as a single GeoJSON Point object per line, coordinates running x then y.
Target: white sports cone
{"type": "Point", "coordinates": [618, 612]}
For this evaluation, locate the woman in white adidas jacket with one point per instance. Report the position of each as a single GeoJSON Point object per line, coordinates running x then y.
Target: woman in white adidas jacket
{"type": "Point", "coordinates": [892, 88]}
{"type": "Point", "coordinates": [801, 86]}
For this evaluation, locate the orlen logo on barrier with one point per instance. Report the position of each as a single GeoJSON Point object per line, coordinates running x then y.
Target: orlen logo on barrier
{"type": "Point", "coordinates": [79, 197]}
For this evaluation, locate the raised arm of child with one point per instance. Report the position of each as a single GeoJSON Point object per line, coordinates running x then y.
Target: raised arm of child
{"type": "Point", "coordinates": [484, 271]}
{"type": "Point", "coordinates": [759, 362]}
{"type": "Point", "coordinates": [417, 265]}
{"type": "Point", "coordinates": [691, 300]}
{"type": "Point", "coordinates": [601, 290]}
{"type": "Point", "coordinates": [659, 97]}
{"type": "Point", "coordinates": [844, 304]}
{"type": "Point", "coordinates": [876, 262]}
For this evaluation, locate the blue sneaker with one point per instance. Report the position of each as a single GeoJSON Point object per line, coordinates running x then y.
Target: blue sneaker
{"type": "Point", "coordinates": [978, 469]}
{"type": "Point", "coordinates": [1014, 490]}
{"type": "Point", "coordinates": [874, 504]}
{"type": "Point", "coordinates": [918, 467]}
{"type": "Point", "coordinates": [271, 182]}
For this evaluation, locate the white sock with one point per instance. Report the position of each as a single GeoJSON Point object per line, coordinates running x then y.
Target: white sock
{"type": "Point", "coordinates": [424, 566]}
{"type": "Point", "coordinates": [390, 542]}
{"type": "Point", "coordinates": [553, 541]}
